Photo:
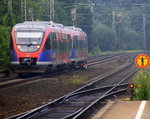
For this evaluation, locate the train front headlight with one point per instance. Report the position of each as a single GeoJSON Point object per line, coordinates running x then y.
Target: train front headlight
{"type": "Point", "coordinates": [18, 46]}
{"type": "Point", "coordinates": [38, 46]}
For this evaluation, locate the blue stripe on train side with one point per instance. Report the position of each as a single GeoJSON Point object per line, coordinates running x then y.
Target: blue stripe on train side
{"type": "Point", "coordinates": [72, 54]}
{"type": "Point", "coordinates": [45, 56]}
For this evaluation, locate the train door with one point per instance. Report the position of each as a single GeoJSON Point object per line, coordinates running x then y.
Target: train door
{"type": "Point", "coordinates": [72, 47]}
{"type": "Point", "coordinates": [79, 47]}
{"type": "Point", "coordinates": [59, 47]}
{"type": "Point", "coordinates": [54, 47]}
{"type": "Point", "coordinates": [47, 47]}
{"type": "Point", "coordinates": [69, 44]}
{"type": "Point", "coordinates": [82, 45]}
{"type": "Point", "coordinates": [86, 46]}
{"type": "Point", "coordinates": [63, 46]}
{"type": "Point", "coordinates": [75, 47]}
{"type": "Point", "coordinates": [66, 49]}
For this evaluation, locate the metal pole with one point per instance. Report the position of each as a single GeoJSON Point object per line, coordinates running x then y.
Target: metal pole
{"type": "Point", "coordinates": [113, 21]}
{"type": "Point", "coordinates": [10, 6]}
{"type": "Point", "coordinates": [144, 38]}
{"type": "Point", "coordinates": [119, 38]}
{"type": "Point", "coordinates": [52, 10]}
{"type": "Point", "coordinates": [23, 10]}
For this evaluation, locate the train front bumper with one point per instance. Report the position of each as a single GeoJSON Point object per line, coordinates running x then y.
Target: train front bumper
{"type": "Point", "coordinates": [38, 68]}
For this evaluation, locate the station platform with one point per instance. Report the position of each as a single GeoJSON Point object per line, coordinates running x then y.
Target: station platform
{"type": "Point", "coordinates": [124, 110]}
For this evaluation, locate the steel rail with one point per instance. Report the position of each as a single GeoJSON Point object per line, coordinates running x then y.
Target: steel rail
{"type": "Point", "coordinates": [75, 115]}
{"type": "Point", "coordinates": [36, 112]}
{"type": "Point", "coordinates": [4, 73]}
{"type": "Point", "coordinates": [7, 79]}
{"type": "Point", "coordinates": [21, 81]}
{"type": "Point", "coordinates": [101, 57]}
{"type": "Point", "coordinates": [94, 89]}
{"type": "Point", "coordinates": [109, 92]}
{"type": "Point", "coordinates": [105, 56]}
{"type": "Point", "coordinates": [62, 100]}
{"type": "Point", "coordinates": [104, 60]}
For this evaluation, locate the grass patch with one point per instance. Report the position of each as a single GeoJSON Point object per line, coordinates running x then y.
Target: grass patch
{"type": "Point", "coordinates": [24, 99]}
{"type": "Point", "coordinates": [75, 79]}
{"type": "Point", "coordinates": [142, 85]}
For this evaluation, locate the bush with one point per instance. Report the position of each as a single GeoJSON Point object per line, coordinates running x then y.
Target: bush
{"type": "Point", "coordinates": [142, 85]}
{"type": "Point", "coordinates": [104, 37]}
{"type": "Point", "coordinates": [4, 47]}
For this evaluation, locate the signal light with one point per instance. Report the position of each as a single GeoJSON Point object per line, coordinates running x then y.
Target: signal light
{"type": "Point", "coordinates": [30, 26]}
{"type": "Point", "coordinates": [38, 46]}
{"type": "Point", "coordinates": [131, 85]}
{"type": "Point", "coordinates": [138, 85]}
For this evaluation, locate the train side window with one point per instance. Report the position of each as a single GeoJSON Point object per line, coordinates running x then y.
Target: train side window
{"type": "Point", "coordinates": [48, 44]}
{"type": "Point", "coordinates": [81, 45]}
{"type": "Point", "coordinates": [53, 36]}
{"type": "Point", "coordinates": [75, 42]}
{"type": "Point", "coordinates": [69, 41]}
{"type": "Point", "coordinates": [54, 41]}
{"type": "Point", "coordinates": [68, 37]}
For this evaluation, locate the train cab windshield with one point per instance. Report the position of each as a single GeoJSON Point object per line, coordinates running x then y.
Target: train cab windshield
{"type": "Point", "coordinates": [29, 41]}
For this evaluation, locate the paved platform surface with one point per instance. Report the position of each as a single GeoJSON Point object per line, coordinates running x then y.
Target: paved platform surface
{"type": "Point", "coordinates": [124, 110]}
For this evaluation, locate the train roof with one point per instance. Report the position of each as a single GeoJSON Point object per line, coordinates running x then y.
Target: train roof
{"type": "Point", "coordinates": [78, 29]}
{"type": "Point", "coordinates": [42, 25]}
{"type": "Point", "coordinates": [37, 25]}
{"type": "Point", "coordinates": [49, 23]}
{"type": "Point", "coordinates": [73, 28]}
{"type": "Point", "coordinates": [70, 27]}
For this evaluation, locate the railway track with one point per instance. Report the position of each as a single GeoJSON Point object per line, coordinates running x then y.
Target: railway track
{"type": "Point", "coordinates": [111, 58]}
{"type": "Point", "coordinates": [9, 82]}
{"type": "Point", "coordinates": [101, 57]}
{"type": "Point", "coordinates": [76, 104]}
{"type": "Point", "coordinates": [4, 73]}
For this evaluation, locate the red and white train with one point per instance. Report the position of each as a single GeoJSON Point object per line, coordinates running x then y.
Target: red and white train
{"type": "Point", "coordinates": [44, 46]}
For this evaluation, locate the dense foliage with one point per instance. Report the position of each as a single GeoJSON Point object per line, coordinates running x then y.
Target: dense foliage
{"type": "Point", "coordinates": [141, 85]}
{"type": "Point", "coordinates": [4, 45]}
{"type": "Point", "coordinates": [110, 24]}
{"type": "Point", "coordinates": [126, 18]}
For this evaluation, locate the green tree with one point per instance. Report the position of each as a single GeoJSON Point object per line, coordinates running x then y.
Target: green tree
{"type": "Point", "coordinates": [3, 10]}
{"type": "Point", "coordinates": [8, 20]}
{"type": "Point", "coordinates": [4, 47]}
{"type": "Point", "coordinates": [131, 40]}
{"type": "Point", "coordinates": [104, 37]}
